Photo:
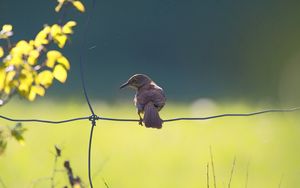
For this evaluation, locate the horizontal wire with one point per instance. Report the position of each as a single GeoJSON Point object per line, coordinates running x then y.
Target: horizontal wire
{"type": "Point", "coordinates": [208, 117]}
{"type": "Point", "coordinates": [42, 120]}
{"type": "Point", "coordinates": [236, 115]}
{"type": "Point", "coordinates": [166, 120]}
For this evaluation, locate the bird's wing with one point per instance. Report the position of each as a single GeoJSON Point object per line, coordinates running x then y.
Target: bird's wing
{"type": "Point", "coordinates": [155, 96]}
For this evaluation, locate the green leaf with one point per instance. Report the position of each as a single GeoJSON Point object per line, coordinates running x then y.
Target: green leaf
{"type": "Point", "coordinates": [17, 132]}
{"type": "Point", "coordinates": [3, 145]}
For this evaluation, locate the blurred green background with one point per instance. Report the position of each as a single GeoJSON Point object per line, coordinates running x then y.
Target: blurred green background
{"type": "Point", "coordinates": [211, 57]}
{"type": "Point", "coordinates": [216, 49]}
{"type": "Point", "coordinates": [127, 155]}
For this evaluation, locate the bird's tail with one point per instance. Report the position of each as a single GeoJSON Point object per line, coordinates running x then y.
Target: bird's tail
{"type": "Point", "coordinates": [151, 116]}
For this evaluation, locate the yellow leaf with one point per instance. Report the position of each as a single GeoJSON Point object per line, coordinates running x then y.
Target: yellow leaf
{"type": "Point", "coordinates": [15, 60]}
{"type": "Point", "coordinates": [25, 81]}
{"type": "Point", "coordinates": [31, 42]}
{"type": "Point", "coordinates": [26, 77]}
{"type": "Point", "coordinates": [1, 52]}
{"type": "Point", "coordinates": [2, 78]}
{"type": "Point", "coordinates": [42, 37]}
{"type": "Point", "coordinates": [60, 73]}
{"type": "Point", "coordinates": [79, 6]}
{"type": "Point", "coordinates": [60, 40]}
{"type": "Point", "coordinates": [31, 95]}
{"type": "Point", "coordinates": [67, 28]}
{"type": "Point", "coordinates": [55, 30]}
{"type": "Point", "coordinates": [24, 47]}
{"type": "Point", "coordinates": [71, 24]}
{"type": "Point", "coordinates": [59, 6]}
{"type": "Point", "coordinates": [16, 52]}
{"type": "Point", "coordinates": [50, 63]}
{"type": "Point", "coordinates": [64, 61]}
{"type": "Point", "coordinates": [52, 56]}
{"type": "Point", "coordinates": [38, 90]}
{"type": "Point", "coordinates": [7, 28]}
{"type": "Point", "coordinates": [44, 78]}
{"type": "Point", "coordinates": [23, 88]}
{"type": "Point", "coordinates": [7, 89]}
{"type": "Point", "coordinates": [6, 31]}
{"type": "Point", "coordinates": [33, 55]}
{"type": "Point", "coordinates": [10, 76]}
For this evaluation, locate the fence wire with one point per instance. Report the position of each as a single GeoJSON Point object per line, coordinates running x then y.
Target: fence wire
{"type": "Point", "coordinates": [82, 78]}
{"type": "Point", "coordinates": [93, 117]}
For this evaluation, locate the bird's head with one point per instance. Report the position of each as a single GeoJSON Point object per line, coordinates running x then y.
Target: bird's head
{"type": "Point", "coordinates": [136, 81]}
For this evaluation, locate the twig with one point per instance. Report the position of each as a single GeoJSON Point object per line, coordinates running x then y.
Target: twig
{"type": "Point", "coordinates": [36, 181]}
{"type": "Point", "coordinates": [2, 183]}
{"type": "Point", "coordinates": [100, 168]}
{"type": "Point", "coordinates": [280, 182]}
{"type": "Point", "coordinates": [207, 175]}
{"type": "Point", "coordinates": [106, 185]}
{"type": "Point", "coordinates": [57, 155]}
{"type": "Point", "coordinates": [231, 173]}
{"type": "Point", "coordinates": [74, 181]}
{"type": "Point", "coordinates": [53, 173]}
{"type": "Point", "coordinates": [247, 174]}
{"type": "Point", "coordinates": [213, 167]}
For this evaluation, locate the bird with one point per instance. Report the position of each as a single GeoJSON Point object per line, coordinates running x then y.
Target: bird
{"type": "Point", "coordinates": [149, 99]}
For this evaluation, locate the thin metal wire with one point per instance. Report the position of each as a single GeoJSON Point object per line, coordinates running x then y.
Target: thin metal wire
{"type": "Point", "coordinates": [208, 117]}
{"type": "Point", "coordinates": [92, 117]}
{"type": "Point", "coordinates": [43, 121]}
{"type": "Point", "coordinates": [235, 115]}
{"type": "Point", "coordinates": [82, 76]}
{"type": "Point", "coordinates": [89, 153]}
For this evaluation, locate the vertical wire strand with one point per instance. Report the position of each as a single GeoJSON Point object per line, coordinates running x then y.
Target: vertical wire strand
{"type": "Point", "coordinates": [92, 119]}
{"type": "Point", "coordinates": [82, 75]}
{"type": "Point", "coordinates": [89, 154]}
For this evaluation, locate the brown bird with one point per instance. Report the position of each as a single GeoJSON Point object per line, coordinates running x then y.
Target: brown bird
{"type": "Point", "coordinates": [149, 99]}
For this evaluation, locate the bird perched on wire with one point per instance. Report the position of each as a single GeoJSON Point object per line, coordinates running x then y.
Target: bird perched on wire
{"type": "Point", "coordinates": [149, 99]}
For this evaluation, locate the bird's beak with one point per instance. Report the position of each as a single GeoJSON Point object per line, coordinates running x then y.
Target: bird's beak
{"type": "Point", "coordinates": [124, 85]}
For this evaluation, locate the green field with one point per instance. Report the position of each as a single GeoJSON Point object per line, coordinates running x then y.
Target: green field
{"type": "Point", "coordinates": [129, 156]}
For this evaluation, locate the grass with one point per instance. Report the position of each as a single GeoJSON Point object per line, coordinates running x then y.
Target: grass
{"type": "Point", "coordinates": [129, 156]}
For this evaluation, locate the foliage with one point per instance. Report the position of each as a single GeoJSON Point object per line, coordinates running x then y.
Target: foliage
{"type": "Point", "coordinates": [54, 179]}
{"type": "Point", "coordinates": [29, 67]}
{"type": "Point", "coordinates": [7, 132]}
{"type": "Point", "coordinates": [75, 182]}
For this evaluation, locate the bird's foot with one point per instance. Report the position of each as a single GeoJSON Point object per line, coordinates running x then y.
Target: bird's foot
{"type": "Point", "coordinates": [141, 122]}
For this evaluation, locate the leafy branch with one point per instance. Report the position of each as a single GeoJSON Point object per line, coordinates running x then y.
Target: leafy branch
{"type": "Point", "coordinates": [29, 67]}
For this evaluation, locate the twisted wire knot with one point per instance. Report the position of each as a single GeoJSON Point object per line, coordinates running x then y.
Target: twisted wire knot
{"type": "Point", "coordinates": [93, 118]}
